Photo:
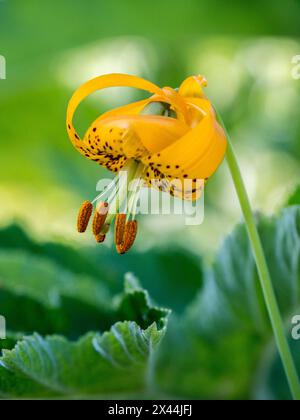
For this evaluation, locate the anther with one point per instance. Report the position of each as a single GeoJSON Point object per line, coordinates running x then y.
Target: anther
{"type": "Point", "coordinates": [120, 228]}
{"type": "Point", "coordinates": [99, 217]}
{"type": "Point", "coordinates": [105, 229]}
{"type": "Point", "coordinates": [100, 238]}
{"type": "Point", "coordinates": [129, 237]}
{"type": "Point", "coordinates": [84, 216]}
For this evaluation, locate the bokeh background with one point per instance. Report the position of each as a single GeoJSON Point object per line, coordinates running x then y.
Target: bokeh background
{"type": "Point", "coordinates": [245, 50]}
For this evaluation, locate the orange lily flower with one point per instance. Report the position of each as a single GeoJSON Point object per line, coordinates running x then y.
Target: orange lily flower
{"type": "Point", "coordinates": [165, 140]}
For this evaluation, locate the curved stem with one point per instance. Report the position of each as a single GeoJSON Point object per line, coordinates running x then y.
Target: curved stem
{"type": "Point", "coordinates": [263, 271]}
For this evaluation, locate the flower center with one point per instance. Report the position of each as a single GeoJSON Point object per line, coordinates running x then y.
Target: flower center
{"type": "Point", "coordinates": [117, 201]}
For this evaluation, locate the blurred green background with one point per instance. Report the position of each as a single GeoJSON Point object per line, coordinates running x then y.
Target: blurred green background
{"type": "Point", "coordinates": [245, 50]}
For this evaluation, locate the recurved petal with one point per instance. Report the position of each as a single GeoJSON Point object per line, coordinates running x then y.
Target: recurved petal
{"type": "Point", "coordinates": [193, 87]}
{"type": "Point", "coordinates": [157, 132]}
{"type": "Point", "coordinates": [185, 189]}
{"type": "Point", "coordinates": [102, 82]}
{"type": "Point", "coordinates": [106, 81]}
{"type": "Point", "coordinates": [133, 108]}
{"type": "Point", "coordinates": [111, 80]}
{"type": "Point", "coordinates": [134, 136]}
{"type": "Point", "coordinates": [177, 103]}
{"type": "Point", "coordinates": [196, 154]}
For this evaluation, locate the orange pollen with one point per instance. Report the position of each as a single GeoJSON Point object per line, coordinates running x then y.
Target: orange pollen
{"type": "Point", "coordinates": [129, 237]}
{"type": "Point", "coordinates": [84, 216]}
{"type": "Point", "coordinates": [99, 217]}
{"type": "Point", "coordinates": [100, 238]}
{"type": "Point", "coordinates": [120, 228]}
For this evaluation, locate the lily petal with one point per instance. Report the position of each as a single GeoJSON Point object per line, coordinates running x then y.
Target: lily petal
{"type": "Point", "coordinates": [197, 154]}
{"type": "Point", "coordinates": [113, 80]}
{"type": "Point", "coordinates": [106, 81]}
{"type": "Point", "coordinates": [133, 136]}
{"type": "Point", "coordinates": [193, 87]}
{"type": "Point", "coordinates": [133, 108]}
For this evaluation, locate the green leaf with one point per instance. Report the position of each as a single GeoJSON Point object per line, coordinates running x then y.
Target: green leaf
{"type": "Point", "coordinates": [294, 199]}
{"type": "Point", "coordinates": [226, 331]}
{"type": "Point", "coordinates": [192, 366]}
{"type": "Point", "coordinates": [49, 299]}
{"type": "Point", "coordinates": [10, 341]}
{"type": "Point", "coordinates": [232, 297]}
{"type": "Point", "coordinates": [270, 383]}
{"type": "Point", "coordinates": [136, 304]}
{"type": "Point", "coordinates": [172, 276]}
{"type": "Point", "coordinates": [114, 363]}
{"type": "Point", "coordinates": [84, 261]}
{"type": "Point", "coordinates": [37, 295]}
{"type": "Point", "coordinates": [46, 282]}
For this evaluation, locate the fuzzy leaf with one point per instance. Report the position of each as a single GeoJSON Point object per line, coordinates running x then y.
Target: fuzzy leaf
{"type": "Point", "coordinates": [37, 295]}
{"type": "Point", "coordinates": [166, 268]}
{"type": "Point", "coordinates": [97, 365]}
{"type": "Point", "coordinates": [226, 331]}
{"type": "Point", "coordinates": [294, 199]}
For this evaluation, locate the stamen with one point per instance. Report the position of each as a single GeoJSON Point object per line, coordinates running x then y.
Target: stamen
{"type": "Point", "coordinates": [105, 229]}
{"type": "Point", "coordinates": [119, 249]}
{"type": "Point", "coordinates": [120, 224]}
{"type": "Point", "coordinates": [118, 197]}
{"type": "Point", "coordinates": [107, 189]}
{"type": "Point", "coordinates": [136, 199]}
{"type": "Point", "coordinates": [102, 234]}
{"type": "Point", "coordinates": [135, 194]}
{"type": "Point", "coordinates": [100, 217]}
{"type": "Point", "coordinates": [129, 237]}
{"type": "Point", "coordinates": [100, 238]}
{"type": "Point", "coordinates": [84, 216]}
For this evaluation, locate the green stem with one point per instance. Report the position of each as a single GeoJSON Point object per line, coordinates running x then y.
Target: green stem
{"type": "Point", "coordinates": [263, 271]}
